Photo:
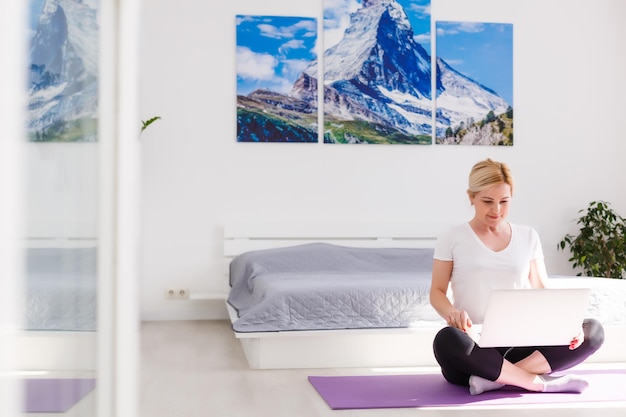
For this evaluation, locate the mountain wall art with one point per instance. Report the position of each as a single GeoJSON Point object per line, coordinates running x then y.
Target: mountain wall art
{"type": "Point", "coordinates": [272, 52]}
{"type": "Point", "coordinates": [63, 71]}
{"type": "Point", "coordinates": [381, 84]}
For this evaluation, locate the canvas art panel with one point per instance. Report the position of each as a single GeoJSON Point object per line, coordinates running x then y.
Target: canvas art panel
{"type": "Point", "coordinates": [276, 100]}
{"type": "Point", "coordinates": [377, 72]}
{"type": "Point", "coordinates": [63, 71]}
{"type": "Point", "coordinates": [474, 104]}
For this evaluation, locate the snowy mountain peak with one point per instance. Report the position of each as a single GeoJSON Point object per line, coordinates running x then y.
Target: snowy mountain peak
{"type": "Point", "coordinates": [367, 41]}
{"type": "Point", "coordinates": [63, 69]}
{"type": "Point", "coordinates": [377, 72]}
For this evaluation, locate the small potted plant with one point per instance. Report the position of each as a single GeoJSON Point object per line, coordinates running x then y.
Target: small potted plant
{"type": "Point", "coordinates": [600, 246]}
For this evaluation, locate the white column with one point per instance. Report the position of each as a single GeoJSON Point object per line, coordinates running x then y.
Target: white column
{"type": "Point", "coordinates": [119, 126]}
{"type": "Point", "coordinates": [13, 47]}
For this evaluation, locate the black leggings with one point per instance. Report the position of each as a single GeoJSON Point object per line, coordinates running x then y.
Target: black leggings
{"type": "Point", "coordinates": [459, 357]}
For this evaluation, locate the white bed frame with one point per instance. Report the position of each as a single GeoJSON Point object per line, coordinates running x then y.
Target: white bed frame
{"type": "Point", "coordinates": [40, 350]}
{"type": "Point", "coordinates": [376, 348]}
{"type": "Point", "coordinates": [332, 348]}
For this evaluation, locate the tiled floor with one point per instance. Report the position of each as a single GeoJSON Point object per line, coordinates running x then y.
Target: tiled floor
{"type": "Point", "coordinates": [197, 368]}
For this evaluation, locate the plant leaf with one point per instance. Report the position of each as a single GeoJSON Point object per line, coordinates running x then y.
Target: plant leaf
{"type": "Point", "coordinates": [146, 123]}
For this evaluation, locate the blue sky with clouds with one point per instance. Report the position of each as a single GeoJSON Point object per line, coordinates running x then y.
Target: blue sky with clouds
{"type": "Point", "coordinates": [272, 51]}
{"type": "Point", "coordinates": [480, 51]}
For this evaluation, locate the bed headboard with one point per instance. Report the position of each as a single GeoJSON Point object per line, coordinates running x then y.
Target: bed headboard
{"type": "Point", "coordinates": [244, 237]}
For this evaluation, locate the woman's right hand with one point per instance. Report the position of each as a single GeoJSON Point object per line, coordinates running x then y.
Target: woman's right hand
{"type": "Point", "coordinates": [459, 319]}
{"type": "Point", "coordinates": [442, 271]}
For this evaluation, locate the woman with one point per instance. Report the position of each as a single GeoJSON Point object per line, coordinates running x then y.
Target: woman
{"type": "Point", "coordinates": [489, 252]}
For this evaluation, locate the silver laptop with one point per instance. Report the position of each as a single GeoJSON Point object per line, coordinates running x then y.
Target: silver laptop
{"type": "Point", "coordinates": [532, 317]}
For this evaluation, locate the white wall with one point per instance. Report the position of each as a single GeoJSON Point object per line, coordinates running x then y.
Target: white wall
{"type": "Point", "coordinates": [569, 144]}
{"type": "Point", "coordinates": [62, 189]}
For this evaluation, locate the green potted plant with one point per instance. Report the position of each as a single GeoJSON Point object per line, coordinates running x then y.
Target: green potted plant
{"type": "Point", "coordinates": [600, 246]}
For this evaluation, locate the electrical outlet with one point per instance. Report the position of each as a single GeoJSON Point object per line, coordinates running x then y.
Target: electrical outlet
{"type": "Point", "coordinates": [177, 294]}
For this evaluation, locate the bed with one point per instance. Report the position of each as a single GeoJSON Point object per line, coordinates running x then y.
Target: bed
{"type": "Point", "coordinates": [323, 286]}
{"type": "Point", "coordinates": [61, 289]}
{"type": "Point", "coordinates": [59, 306]}
{"type": "Point", "coordinates": [355, 295]}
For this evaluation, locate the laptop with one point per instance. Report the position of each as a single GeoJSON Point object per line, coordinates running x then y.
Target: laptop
{"type": "Point", "coordinates": [532, 317]}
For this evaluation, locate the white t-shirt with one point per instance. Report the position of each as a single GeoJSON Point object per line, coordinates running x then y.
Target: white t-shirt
{"type": "Point", "coordinates": [478, 269]}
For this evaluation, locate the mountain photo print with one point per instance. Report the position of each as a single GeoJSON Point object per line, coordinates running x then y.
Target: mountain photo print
{"type": "Point", "coordinates": [474, 103]}
{"type": "Point", "coordinates": [273, 103]}
{"type": "Point", "coordinates": [377, 72]}
{"type": "Point", "coordinates": [63, 71]}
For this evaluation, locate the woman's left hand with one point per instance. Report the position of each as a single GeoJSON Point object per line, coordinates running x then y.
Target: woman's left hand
{"type": "Point", "coordinates": [577, 341]}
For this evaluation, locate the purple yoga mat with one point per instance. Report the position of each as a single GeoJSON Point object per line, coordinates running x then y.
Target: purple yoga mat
{"type": "Point", "coordinates": [54, 395]}
{"type": "Point", "coordinates": [432, 390]}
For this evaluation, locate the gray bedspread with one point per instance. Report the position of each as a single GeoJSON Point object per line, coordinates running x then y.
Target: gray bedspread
{"type": "Point", "coordinates": [322, 286]}
{"type": "Point", "coordinates": [61, 289]}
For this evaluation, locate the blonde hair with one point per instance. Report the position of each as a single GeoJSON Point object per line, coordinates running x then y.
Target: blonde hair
{"type": "Point", "coordinates": [488, 173]}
